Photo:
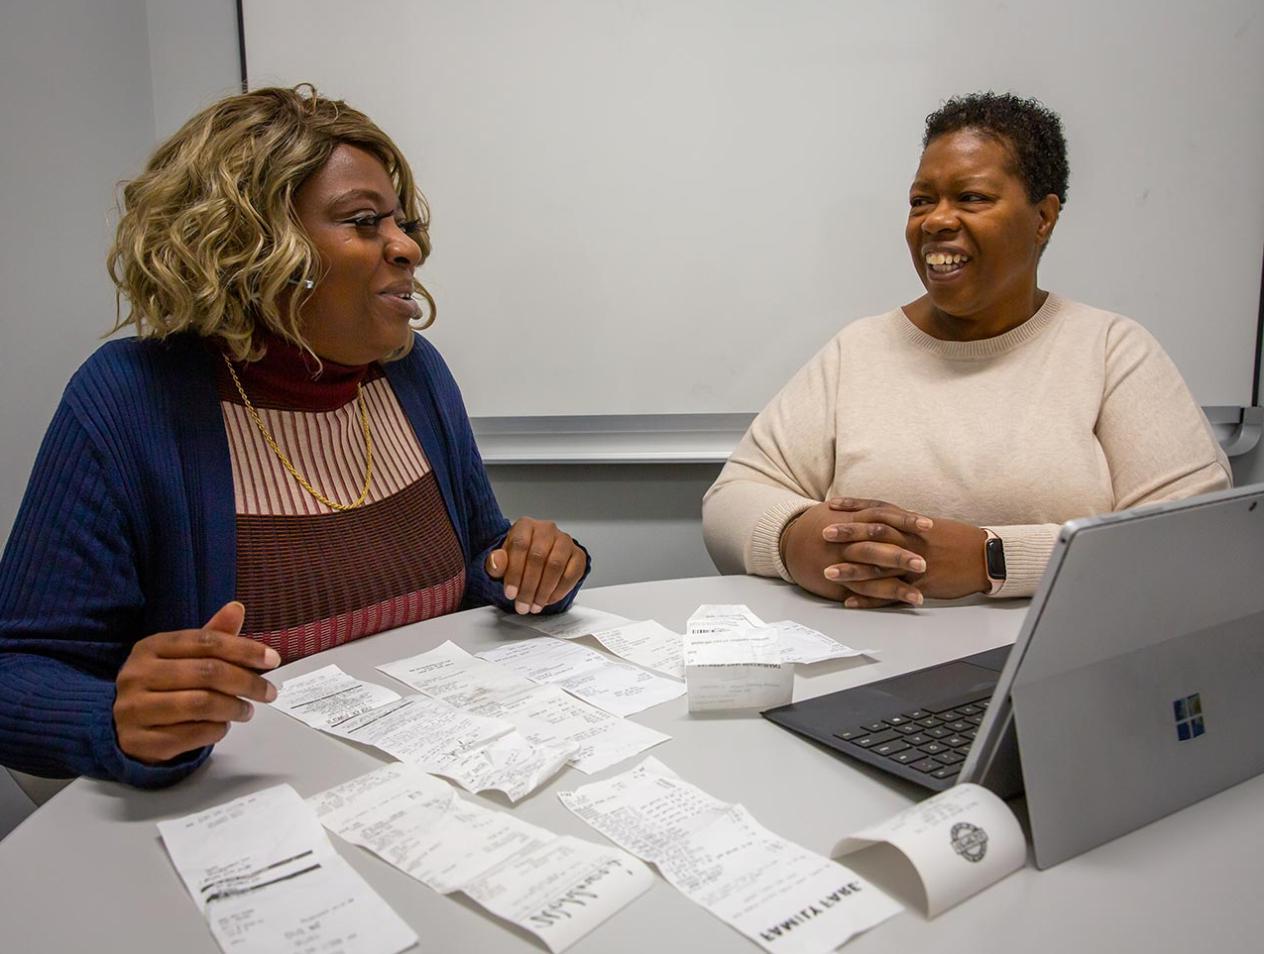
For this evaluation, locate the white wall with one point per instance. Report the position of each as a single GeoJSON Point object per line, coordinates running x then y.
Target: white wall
{"type": "Point", "coordinates": [88, 86]}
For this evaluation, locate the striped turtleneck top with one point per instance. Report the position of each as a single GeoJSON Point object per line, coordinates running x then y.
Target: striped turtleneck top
{"type": "Point", "coordinates": [309, 576]}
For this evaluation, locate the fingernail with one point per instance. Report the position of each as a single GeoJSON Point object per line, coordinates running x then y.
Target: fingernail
{"type": "Point", "coordinates": [271, 658]}
{"type": "Point", "coordinates": [247, 711]}
{"type": "Point", "coordinates": [832, 572]}
{"type": "Point", "coordinates": [915, 598]}
{"type": "Point", "coordinates": [925, 523]}
{"type": "Point", "coordinates": [536, 607]}
{"type": "Point", "coordinates": [852, 602]}
{"type": "Point", "coordinates": [511, 592]}
{"type": "Point", "coordinates": [831, 533]}
{"type": "Point", "coordinates": [917, 564]}
{"type": "Point", "coordinates": [521, 608]}
{"type": "Point", "coordinates": [270, 693]}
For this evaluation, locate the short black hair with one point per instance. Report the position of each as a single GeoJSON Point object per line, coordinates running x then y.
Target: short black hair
{"type": "Point", "coordinates": [1031, 130]}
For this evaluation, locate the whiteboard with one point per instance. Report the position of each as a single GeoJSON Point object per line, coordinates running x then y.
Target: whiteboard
{"type": "Point", "coordinates": [667, 207]}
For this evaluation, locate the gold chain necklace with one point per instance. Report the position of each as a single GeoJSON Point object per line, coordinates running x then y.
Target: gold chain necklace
{"type": "Point", "coordinates": [293, 471]}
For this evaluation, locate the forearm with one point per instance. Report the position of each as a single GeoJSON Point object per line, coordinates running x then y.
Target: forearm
{"type": "Point", "coordinates": [57, 721]}
{"type": "Point", "coordinates": [742, 524]}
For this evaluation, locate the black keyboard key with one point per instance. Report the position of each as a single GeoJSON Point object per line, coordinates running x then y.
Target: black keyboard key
{"type": "Point", "coordinates": [926, 765]}
{"type": "Point", "coordinates": [938, 732]}
{"type": "Point", "coordinates": [957, 742]}
{"type": "Point", "coordinates": [948, 715]}
{"type": "Point", "coordinates": [974, 719]}
{"type": "Point", "coordinates": [875, 738]}
{"type": "Point", "coordinates": [920, 738]}
{"type": "Point", "coordinates": [907, 756]}
{"type": "Point", "coordinates": [928, 722]}
{"type": "Point", "coordinates": [950, 758]}
{"type": "Point", "coordinates": [969, 735]}
{"type": "Point", "coordinates": [933, 748]}
{"type": "Point", "coordinates": [969, 710]}
{"type": "Point", "coordinates": [982, 703]}
{"type": "Point", "coordinates": [891, 748]}
{"type": "Point", "coordinates": [909, 728]}
{"type": "Point", "coordinates": [916, 714]}
{"type": "Point", "coordinates": [874, 726]}
{"type": "Point", "coordinates": [948, 771]}
{"type": "Point", "coordinates": [959, 725]}
{"type": "Point", "coordinates": [896, 721]}
{"type": "Point", "coordinates": [848, 734]}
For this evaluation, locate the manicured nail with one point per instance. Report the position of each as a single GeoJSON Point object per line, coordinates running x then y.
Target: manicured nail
{"type": "Point", "coordinates": [832, 572]}
{"type": "Point", "coordinates": [851, 601]}
{"type": "Point", "coordinates": [270, 694]}
{"type": "Point", "coordinates": [510, 592]}
{"type": "Point", "coordinates": [831, 533]}
{"type": "Point", "coordinates": [915, 598]}
{"type": "Point", "coordinates": [521, 608]}
{"type": "Point", "coordinates": [917, 564]}
{"type": "Point", "coordinates": [536, 607]}
{"type": "Point", "coordinates": [271, 658]}
{"type": "Point", "coordinates": [925, 523]}
{"type": "Point", "coordinates": [247, 711]}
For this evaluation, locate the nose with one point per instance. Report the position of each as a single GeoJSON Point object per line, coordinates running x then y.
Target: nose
{"type": "Point", "coordinates": [401, 248]}
{"type": "Point", "coordinates": [942, 218]}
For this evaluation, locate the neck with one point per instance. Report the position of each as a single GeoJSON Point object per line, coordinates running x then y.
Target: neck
{"type": "Point", "coordinates": [989, 323]}
{"type": "Point", "coordinates": [288, 376]}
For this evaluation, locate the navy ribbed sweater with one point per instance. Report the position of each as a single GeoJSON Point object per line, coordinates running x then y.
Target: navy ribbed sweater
{"type": "Point", "coordinates": [128, 529]}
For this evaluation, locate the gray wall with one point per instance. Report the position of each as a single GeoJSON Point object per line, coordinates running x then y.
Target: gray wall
{"type": "Point", "coordinates": [89, 85]}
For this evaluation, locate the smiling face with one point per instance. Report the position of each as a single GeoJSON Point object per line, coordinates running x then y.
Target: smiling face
{"type": "Point", "coordinates": [975, 237]}
{"type": "Point", "coordinates": [361, 306]}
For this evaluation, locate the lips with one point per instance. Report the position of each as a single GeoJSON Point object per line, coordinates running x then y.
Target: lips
{"type": "Point", "coordinates": [401, 303]}
{"type": "Point", "coordinates": [944, 263]}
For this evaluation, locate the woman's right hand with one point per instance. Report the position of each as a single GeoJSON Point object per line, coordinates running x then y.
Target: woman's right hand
{"type": "Point", "coordinates": [178, 691]}
{"type": "Point", "coordinates": [807, 553]}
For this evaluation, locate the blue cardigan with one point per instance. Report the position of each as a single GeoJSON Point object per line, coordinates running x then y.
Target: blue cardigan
{"type": "Point", "coordinates": [128, 529]}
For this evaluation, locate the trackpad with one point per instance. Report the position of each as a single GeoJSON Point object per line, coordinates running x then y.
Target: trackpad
{"type": "Point", "coordinates": [941, 686]}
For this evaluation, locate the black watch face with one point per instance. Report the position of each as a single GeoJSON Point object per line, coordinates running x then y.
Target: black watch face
{"type": "Point", "coordinates": [995, 552]}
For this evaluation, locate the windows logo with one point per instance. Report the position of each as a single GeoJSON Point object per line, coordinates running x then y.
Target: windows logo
{"type": "Point", "coordinates": [1189, 717]}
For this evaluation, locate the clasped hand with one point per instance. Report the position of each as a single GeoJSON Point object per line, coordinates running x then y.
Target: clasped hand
{"type": "Point", "coordinates": [538, 563]}
{"type": "Point", "coordinates": [870, 553]}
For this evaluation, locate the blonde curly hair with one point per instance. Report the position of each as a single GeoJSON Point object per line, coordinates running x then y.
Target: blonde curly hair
{"type": "Point", "coordinates": [208, 240]}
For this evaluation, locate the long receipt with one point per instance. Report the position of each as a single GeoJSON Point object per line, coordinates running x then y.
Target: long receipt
{"type": "Point", "coordinates": [959, 842]}
{"type": "Point", "coordinates": [645, 642]}
{"type": "Point", "coordinates": [557, 887]}
{"type": "Point", "coordinates": [266, 878]}
{"type": "Point", "coordinates": [799, 644]}
{"type": "Point", "coordinates": [778, 894]}
{"type": "Point", "coordinates": [475, 751]}
{"type": "Point", "coordinates": [544, 715]}
{"type": "Point", "coordinates": [585, 673]}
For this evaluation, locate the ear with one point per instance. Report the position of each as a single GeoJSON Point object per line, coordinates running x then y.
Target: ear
{"type": "Point", "coordinates": [1047, 211]}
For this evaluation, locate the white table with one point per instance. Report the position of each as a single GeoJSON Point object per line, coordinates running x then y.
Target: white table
{"type": "Point", "coordinates": [87, 872]}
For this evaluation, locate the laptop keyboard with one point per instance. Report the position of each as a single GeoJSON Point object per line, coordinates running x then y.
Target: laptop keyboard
{"type": "Point", "coordinates": [931, 741]}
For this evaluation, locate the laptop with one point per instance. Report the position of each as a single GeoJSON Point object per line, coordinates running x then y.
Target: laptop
{"type": "Point", "coordinates": [1134, 688]}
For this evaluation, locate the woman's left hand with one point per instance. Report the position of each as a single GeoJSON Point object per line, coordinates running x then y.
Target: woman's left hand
{"type": "Point", "coordinates": [953, 552]}
{"type": "Point", "coordinates": [538, 563]}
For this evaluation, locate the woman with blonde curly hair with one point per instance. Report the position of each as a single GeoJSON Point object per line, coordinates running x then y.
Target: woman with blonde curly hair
{"type": "Point", "coordinates": [274, 465]}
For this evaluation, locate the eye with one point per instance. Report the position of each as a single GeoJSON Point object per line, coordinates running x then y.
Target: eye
{"type": "Point", "coordinates": [918, 201]}
{"type": "Point", "coordinates": [412, 228]}
{"type": "Point", "coordinates": [367, 220]}
{"type": "Point", "coordinates": [973, 197]}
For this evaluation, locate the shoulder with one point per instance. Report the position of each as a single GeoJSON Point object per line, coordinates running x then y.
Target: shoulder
{"type": "Point", "coordinates": [1118, 336]}
{"type": "Point", "coordinates": [135, 379]}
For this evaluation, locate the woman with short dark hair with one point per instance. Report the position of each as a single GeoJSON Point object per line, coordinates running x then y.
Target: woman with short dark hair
{"type": "Point", "coordinates": [933, 451]}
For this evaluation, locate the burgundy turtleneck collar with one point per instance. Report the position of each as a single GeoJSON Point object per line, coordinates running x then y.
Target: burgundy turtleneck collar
{"type": "Point", "coordinates": [289, 377]}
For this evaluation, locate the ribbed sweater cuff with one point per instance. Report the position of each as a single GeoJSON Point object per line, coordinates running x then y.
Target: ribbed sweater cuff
{"type": "Point", "coordinates": [122, 767]}
{"type": "Point", "coordinates": [1027, 549]}
{"type": "Point", "coordinates": [765, 551]}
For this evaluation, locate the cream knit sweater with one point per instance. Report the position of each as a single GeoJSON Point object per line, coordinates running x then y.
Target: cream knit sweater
{"type": "Point", "coordinates": [1077, 411]}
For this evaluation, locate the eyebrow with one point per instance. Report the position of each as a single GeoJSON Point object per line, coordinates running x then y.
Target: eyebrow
{"type": "Point", "coordinates": [370, 194]}
{"type": "Point", "coordinates": [964, 180]}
